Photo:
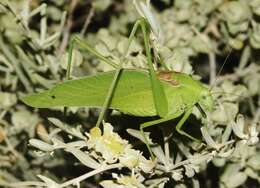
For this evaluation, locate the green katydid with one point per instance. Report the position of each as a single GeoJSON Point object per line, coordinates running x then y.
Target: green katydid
{"type": "Point", "coordinates": [166, 94]}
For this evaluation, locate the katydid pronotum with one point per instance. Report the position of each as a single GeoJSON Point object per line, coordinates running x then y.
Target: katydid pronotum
{"type": "Point", "coordinates": [165, 94]}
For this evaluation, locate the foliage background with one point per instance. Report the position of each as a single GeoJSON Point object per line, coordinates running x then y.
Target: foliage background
{"type": "Point", "coordinates": [198, 36]}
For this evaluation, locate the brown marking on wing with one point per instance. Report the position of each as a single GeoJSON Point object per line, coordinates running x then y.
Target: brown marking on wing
{"type": "Point", "coordinates": [167, 76]}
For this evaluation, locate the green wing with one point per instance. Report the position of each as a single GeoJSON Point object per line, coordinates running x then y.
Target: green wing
{"type": "Point", "coordinates": [132, 94]}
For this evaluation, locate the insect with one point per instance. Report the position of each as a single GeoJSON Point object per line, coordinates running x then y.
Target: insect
{"type": "Point", "coordinates": [166, 94]}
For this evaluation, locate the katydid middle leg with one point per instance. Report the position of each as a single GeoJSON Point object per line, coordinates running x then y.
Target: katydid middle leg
{"type": "Point", "coordinates": [178, 127]}
{"type": "Point", "coordinates": [150, 124]}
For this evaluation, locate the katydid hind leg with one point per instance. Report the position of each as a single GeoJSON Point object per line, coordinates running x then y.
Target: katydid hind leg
{"type": "Point", "coordinates": [159, 96]}
{"type": "Point", "coordinates": [181, 123]}
{"type": "Point", "coordinates": [158, 92]}
{"type": "Point", "coordinates": [117, 74]}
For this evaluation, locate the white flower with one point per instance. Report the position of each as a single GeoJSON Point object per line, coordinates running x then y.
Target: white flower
{"type": "Point", "coordinates": [123, 182]}
{"type": "Point", "coordinates": [110, 144]}
{"type": "Point", "coordinates": [134, 159]}
{"type": "Point", "coordinates": [113, 148]}
{"type": "Point", "coordinates": [177, 175]}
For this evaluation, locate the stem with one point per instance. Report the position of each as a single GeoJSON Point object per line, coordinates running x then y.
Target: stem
{"type": "Point", "coordinates": [212, 65]}
{"type": "Point", "coordinates": [89, 174]}
{"type": "Point", "coordinates": [23, 184]}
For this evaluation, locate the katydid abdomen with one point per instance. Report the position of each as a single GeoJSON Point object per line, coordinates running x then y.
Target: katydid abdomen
{"type": "Point", "coordinates": [132, 95]}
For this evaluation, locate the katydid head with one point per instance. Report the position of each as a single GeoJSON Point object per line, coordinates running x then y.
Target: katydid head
{"type": "Point", "coordinates": [206, 101]}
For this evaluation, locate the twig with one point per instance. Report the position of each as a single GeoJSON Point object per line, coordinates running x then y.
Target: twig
{"type": "Point", "coordinates": [212, 65]}
{"type": "Point", "coordinates": [87, 21]}
{"type": "Point", "coordinates": [67, 29]}
{"type": "Point", "coordinates": [89, 174]}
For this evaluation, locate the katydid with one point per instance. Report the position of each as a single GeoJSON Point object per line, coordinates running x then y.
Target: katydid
{"type": "Point", "coordinates": [166, 94]}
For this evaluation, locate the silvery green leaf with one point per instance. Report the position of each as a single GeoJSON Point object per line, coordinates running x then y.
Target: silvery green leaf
{"type": "Point", "coordinates": [189, 171]}
{"type": "Point", "coordinates": [219, 162]}
{"type": "Point", "coordinates": [235, 180]}
{"type": "Point", "coordinates": [201, 44]}
{"type": "Point", "coordinates": [233, 92]}
{"type": "Point", "coordinates": [39, 144]}
{"type": "Point", "coordinates": [252, 174]}
{"type": "Point", "coordinates": [253, 133]}
{"type": "Point", "coordinates": [183, 4]}
{"type": "Point", "coordinates": [73, 131]}
{"type": "Point", "coordinates": [235, 11]}
{"type": "Point", "coordinates": [24, 121]}
{"type": "Point", "coordinates": [179, 61]}
{"type": "Point", "coordinates": [200, 21]}
{"type": "Point", "coordinates": [181, 185]}
{"type": "Point", "coordinates": [77, 144]}
{"type": "Point", "coordinates": [158, 182]}
{"type": "Point", "coordinates": [251, 79]}
{"type": "Point", "coordinates": [226, 154]}
{"type": "Point", "coordinates": [236, 28]}
{"type": "Point", "coordinates": [101, 5]}
{"type": "Point", "coordinates": [255, 5]}
{"type": "Point", "coordinates": [103, 49]}
{"type": "Point", "coordinates": [254, 161]}
{"type": "Point", "coordinates": [242, 150]}
{"type": "Point", "coordinates": [49, 182]}
{"type": "Point", "coordinates": [160, 155]}
{"type": "Point", "coordinates": [54, 13]}
{"type": "Point", "coordinates": [226, 135]}
{"type": "Point", "coordinates": [177, 175]}
{"type": "Point", "coordinates": [232, 176]}
{"type": "Point", "coordinates": [208, 6]}
{"type": "Point", "coordinates": [7, 100]}
{"type": "Point", "coordinates": [43, 81]}
{"type": "Point", "coordinates": [83, 157]}
{"type": "Point", "coordinates": [183, 15]}
{"type": "Point", "coordinates": [76, 61]}
{"type": "Point", "coordinates": [137, 134]}
{"type": "Point", "coordinates": [198, 159]}
{"type": "Point", "coordinates": [208, 138]}
{"type": "Point", "coordinates": [225, 113]}
{"type": "Point", "coordinates": [107, 39]}
{"type": "Point", "coordinates": [239, 127]}
{"type": "Point", "coordinates": [237, 42]}
{"type": "Point", "coordinates": [254, 35]}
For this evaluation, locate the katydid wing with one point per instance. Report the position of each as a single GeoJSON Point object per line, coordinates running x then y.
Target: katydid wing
{"type": "Point", "coordinates": [133, 94]}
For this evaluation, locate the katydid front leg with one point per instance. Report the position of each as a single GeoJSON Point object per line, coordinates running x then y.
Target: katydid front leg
{"type": "Point", "coordinates": [181, 123]}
